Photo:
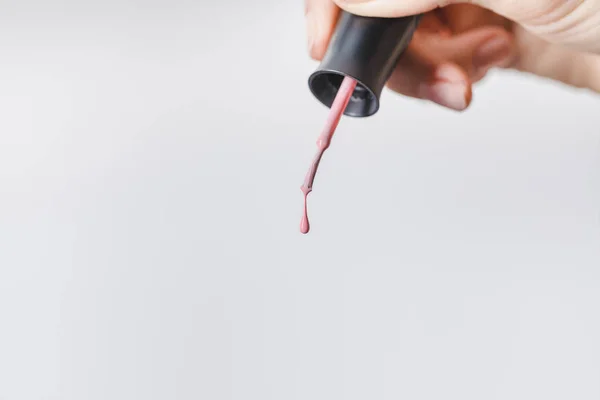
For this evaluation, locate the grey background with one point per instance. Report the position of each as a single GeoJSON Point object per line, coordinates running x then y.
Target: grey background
{"type": "Point", "coordinates": [151, 155]}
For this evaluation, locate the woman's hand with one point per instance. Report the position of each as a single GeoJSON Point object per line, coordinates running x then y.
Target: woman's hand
{"type": "Point", "coordinates": [456, 45]}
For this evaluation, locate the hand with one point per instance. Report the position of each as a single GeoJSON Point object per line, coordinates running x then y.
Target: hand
{"type": "Point", "coordinates": [456, 45]}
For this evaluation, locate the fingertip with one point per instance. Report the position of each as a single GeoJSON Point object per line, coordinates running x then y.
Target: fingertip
{"type": "Point", "coordinates": [450, 87]}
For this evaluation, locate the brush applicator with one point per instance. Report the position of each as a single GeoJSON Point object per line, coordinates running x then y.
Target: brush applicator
{"type": "Point", "coordinates": [361, 56]}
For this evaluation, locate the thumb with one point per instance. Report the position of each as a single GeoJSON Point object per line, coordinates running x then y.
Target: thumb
{"type": "Point", "coordinates": [573, 23]}
{"type": "Point", "coordinates": [519, 11]}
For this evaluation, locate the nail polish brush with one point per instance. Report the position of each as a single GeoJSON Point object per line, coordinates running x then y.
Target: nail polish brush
{"type": "Point", "coordinates": [362, 54]}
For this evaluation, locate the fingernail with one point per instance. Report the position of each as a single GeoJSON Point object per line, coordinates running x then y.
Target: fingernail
{"type": "Point", "coordinates": [492, 52]}
{"type": "Point", "coordinates": [449, 74]}
{"type": "Point", "coordinates": [452, 95]}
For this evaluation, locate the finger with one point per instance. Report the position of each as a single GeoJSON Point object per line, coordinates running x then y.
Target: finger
{"type": "Point", "coordinates": [446, 84]}
{"type": "Point", "coordinates": [321, 17]}
{"type": "Point", "coordinates": [443, 69]}
{"type": "Point", "coordinates": [425, 75]}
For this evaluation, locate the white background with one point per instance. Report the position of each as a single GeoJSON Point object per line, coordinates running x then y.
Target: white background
{"type": "Point", "coordinates": [151, 155]}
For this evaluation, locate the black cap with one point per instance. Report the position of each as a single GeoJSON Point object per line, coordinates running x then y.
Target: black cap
{"type": "Point", "coordinates": [366, 49]}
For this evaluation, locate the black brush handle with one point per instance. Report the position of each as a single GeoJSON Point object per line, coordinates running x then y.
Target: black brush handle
{"type": "Point", "coordinates": [366, 49]}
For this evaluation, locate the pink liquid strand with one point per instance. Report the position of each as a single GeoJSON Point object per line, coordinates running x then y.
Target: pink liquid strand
{"type": "Point", "coordinates": [337, 110]}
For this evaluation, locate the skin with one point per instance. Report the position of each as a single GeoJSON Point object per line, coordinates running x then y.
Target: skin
{"type": "Point", "coordinates": [458, 43]}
